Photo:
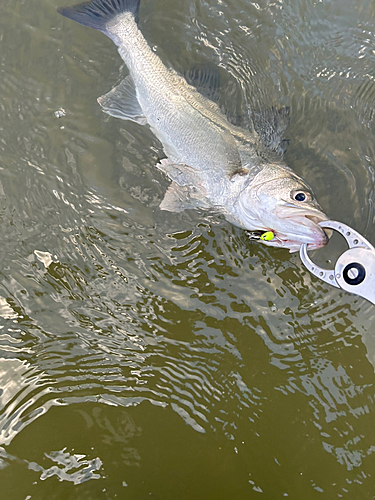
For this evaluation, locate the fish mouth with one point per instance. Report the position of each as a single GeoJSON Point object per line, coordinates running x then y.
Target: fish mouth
{"type": "Point", "coordinates": [307, 231]}
{"type": "Point", "coordinates": [296, 228]}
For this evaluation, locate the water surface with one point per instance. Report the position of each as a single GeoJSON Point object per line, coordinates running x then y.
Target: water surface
{"type": "Point", "coordinates": [145, 354]}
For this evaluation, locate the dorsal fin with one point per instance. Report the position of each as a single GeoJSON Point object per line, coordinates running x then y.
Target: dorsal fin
{"type": "Point", "coordinates": [206, 80]}
{"type": "Point", "coordinates": [270, 124]}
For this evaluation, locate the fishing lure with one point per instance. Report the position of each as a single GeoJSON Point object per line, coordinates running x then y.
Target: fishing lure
{"type": "Point", "coordinates": [267, 236]}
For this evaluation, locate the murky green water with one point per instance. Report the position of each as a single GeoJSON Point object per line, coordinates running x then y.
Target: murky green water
{"type": "Point", "coordinates": [145, 354]}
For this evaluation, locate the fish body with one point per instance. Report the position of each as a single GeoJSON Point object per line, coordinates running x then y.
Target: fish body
{"type": "Point", "coordinates": [211, 162]}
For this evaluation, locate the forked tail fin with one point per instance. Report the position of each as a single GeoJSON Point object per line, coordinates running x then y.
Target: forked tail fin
{"type": "Point", "coordinates": [98, 13]}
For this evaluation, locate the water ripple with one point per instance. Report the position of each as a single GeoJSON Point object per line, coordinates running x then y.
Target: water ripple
{"type": "Point", "coordinates": [108, 303]}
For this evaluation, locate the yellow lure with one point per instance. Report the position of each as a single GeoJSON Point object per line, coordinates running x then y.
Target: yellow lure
{"type": "Point", "coordinates": [267, 236]}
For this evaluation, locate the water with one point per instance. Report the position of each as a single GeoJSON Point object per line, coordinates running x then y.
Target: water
{"type": "Point", "coordinates": [145, 354]}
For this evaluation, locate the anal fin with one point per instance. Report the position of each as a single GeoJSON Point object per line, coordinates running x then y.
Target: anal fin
{"type": "Point", "coordinates": [121, 102]}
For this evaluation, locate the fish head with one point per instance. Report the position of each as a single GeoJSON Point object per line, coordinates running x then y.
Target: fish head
{"type": "Point", "coordinates": [280, 202]}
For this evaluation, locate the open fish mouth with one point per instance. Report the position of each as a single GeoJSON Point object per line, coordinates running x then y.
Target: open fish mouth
{"type": "Point", "coordinates": [294, 244]}
{"type": "Point", "coordinates": [300, 228]}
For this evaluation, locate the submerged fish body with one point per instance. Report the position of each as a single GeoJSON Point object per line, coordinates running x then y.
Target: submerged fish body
{"type": "Point", "coordinates": [212, 163]}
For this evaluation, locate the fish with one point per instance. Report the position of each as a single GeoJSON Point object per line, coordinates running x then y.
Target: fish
{"type": "Point", "coordinates": [212, 163]}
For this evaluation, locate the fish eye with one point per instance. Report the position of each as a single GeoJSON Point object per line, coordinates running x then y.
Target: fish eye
{"type": "Point", "coordinates": [301, 196]}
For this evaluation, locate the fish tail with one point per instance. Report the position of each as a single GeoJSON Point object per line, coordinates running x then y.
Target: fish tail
{"type": "Point", "coordinates": [98, 13]}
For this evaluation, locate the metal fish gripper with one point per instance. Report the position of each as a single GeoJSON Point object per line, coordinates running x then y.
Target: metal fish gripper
{"type": "Point", "coordinates": [354, 270]}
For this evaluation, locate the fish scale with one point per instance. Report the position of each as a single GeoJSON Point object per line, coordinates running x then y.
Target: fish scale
{"type": "Point", "coordinates": [212, 163]}
{"type": "Point", "coordinates": [163, 99]}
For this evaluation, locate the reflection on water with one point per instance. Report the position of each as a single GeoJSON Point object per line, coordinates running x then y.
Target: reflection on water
{"type": "Point", "coordinates": [158, 352]}
{"type": "Point", "coordinates": [66, 464]}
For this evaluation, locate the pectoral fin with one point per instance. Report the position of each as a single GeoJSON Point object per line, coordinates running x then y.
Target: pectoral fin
{"type": "Point", "coordinates": [121, 102]}
{"type": "Point", "coordinates": [181, 174]}
{"type": "Point", "coordinates": [179, 198]}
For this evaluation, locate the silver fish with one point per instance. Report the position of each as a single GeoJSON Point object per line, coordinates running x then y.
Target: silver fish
{"type": "Point", "coordinates": [211, 162]}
